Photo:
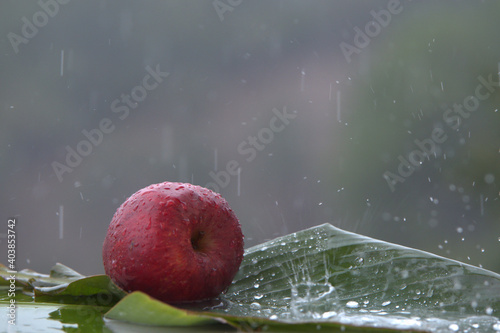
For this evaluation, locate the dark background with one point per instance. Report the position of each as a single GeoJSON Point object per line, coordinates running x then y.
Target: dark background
{"type": "Point", "coordinates": [227, 73]}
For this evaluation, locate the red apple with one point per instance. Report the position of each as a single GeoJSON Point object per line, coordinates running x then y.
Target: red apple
{"type": "Point", "coordinates": [176, 242]}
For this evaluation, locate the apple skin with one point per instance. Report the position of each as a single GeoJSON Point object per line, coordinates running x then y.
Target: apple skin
{"type": "Point", "coordinates": [176, 242]}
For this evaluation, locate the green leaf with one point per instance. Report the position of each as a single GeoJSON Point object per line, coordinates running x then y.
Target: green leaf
{"type": "Point", "coordinates": [29, 279]}
{"type": "Point", "coordinates": [321, 278]}
{"type": "Point", "coordinates": [64, 285]}
{"type": "Point", "coordinates": [39, 308]}
{"type": "Point", "coordinates": [326, 275]}
{"type": "Point", "coordinates": [61, 271]}
{"type": "Point", "coordinates": [331, 279]}
{"type": "Point", "coordinates": [140, 308]}
{"type": "Point", "coordinates": [101, 290]}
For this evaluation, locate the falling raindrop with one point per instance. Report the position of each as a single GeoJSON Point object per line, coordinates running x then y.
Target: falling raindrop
{"type": "Point", "coordinates": [302, 80]}
{"type": "Point", "coordinates": [239, 182]}
{"type": "Point", "coordinates": [215, 159]}
{"type": "Point", "coordinates": [62, 63]}
{"type": "Point", "coordinates": [481, 204]}
{"type": "Point", "coordinates": [338, 107]}
{"type": "Point", "coordinates": [61, 221]}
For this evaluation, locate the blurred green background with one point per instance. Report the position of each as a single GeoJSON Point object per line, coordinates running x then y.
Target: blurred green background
{"type": "Point", "coordinates": [230, 63]}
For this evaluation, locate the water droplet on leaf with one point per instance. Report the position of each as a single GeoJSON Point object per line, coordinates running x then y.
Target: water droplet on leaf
{"type": "Point", "coordinates": [255, 306]}
{"type": "Point", "coordinates": [352, 304]}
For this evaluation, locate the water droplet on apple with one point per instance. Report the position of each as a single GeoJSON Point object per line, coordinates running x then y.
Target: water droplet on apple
{"type": "Point", "coordinates": [256, 285]}
{"type": "Point", "coordinates": [258, 296]}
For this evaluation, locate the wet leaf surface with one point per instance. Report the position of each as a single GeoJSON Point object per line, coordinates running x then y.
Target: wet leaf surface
{"type": "Point", "coordinates": [320, 278]}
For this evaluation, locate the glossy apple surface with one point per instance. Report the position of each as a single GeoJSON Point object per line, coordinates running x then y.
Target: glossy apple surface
{"type": "Point", "coordinates": [176, 242]}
